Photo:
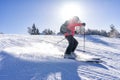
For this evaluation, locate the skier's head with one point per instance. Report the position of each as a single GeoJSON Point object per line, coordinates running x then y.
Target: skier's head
{"type": "Point", "coordinates": [76, 19]}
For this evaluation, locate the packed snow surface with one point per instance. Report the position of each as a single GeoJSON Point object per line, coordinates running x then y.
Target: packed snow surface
{"type": "Point", "coordinates": [31, 57]}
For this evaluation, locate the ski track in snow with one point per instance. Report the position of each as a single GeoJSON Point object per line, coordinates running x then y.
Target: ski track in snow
{"type": "Point", "coordinates": [26, 57]}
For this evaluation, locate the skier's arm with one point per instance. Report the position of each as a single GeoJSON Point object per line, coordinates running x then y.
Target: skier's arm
{"type": "Point", "coordinates": [78, 24]}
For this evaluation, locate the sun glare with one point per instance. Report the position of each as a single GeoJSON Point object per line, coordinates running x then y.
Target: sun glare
{"type": "Point", "coordinates": [69, 10]}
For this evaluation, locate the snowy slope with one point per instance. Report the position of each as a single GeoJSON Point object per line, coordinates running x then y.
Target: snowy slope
{"type": "Point", "coordinates": [25, 57]}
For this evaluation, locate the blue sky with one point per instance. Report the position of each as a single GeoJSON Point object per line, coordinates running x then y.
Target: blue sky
{"type": "Point", "coordinates": [17, 15]}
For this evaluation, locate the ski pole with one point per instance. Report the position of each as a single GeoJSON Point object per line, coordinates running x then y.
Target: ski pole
{"type": "Point", "coordinates": [84, 41]}
{"type": "Point", "coordinates": [60, 41]}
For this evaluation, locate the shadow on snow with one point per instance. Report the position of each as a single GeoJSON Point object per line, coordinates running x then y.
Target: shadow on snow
{"type": "Point", "coordinates": [13, 68]}
{"type": "Point", "coordinates": [97, 40]}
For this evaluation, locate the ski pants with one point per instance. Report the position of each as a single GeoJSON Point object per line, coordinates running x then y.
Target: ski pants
{"type": "Point", "coordinates": [72, 44]}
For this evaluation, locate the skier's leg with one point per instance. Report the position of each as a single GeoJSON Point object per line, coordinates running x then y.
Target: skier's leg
{"type": "Point", "coordinates": [75, 44]}
{"type": "Point", "coordinates": [70, 46]}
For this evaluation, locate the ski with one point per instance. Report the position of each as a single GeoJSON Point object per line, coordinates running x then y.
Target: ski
{"type": "Point", "coordinates": [93, 60]}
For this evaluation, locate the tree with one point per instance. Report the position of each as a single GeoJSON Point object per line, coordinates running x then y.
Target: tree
{"type": "Point", "coordinates": [103, 33]}
{"type": "Point", "coordinates": [113, 32]}
{"type": "Point", "coordinates": [1, 33]}
{"type": "Point", "coordinates": [48, 32]}
{"type": "Point", "coordinates": [96, 32]}
{"type": "Point", "coordinates": [92, 32]}
{"type": "Point", "coordinates": [33, 30]}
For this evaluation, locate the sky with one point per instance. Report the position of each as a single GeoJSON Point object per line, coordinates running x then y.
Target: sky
{"type": "Point", "coordinates": [17, 15]}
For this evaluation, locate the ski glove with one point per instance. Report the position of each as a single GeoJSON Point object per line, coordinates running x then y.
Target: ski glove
{"type": "Point", "coordinates": [84, 24]}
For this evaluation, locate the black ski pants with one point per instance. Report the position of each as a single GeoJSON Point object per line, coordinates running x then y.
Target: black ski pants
{"type": "Point", "coordinates": [72, 44]}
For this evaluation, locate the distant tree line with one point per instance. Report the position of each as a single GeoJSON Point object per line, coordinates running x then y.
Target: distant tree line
{"type": "Point", "coordinates": [1, 33]}
{"type": "Point", "coordinates": [96, 32]}
{"type": "Point", "coordinates": [48, 32]}
{"type": "Point", "coordinates": [35, 31]}
{"type": "Point", "coordinates": [112, 33]}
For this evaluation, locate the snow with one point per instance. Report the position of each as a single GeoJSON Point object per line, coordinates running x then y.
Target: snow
{"type": "Point", "coordinates": [26, 57]}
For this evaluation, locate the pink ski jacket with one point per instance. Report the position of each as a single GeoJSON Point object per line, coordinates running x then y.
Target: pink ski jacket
{"type": "Point", "coordinates": [71, 26]}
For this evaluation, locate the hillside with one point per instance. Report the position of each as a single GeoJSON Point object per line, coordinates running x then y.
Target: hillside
{"type": "Point", "coordinates": [26, 57]}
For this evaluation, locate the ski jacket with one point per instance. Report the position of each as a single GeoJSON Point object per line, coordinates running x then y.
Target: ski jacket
{"type": "Point", "coordinates": [71, 26]}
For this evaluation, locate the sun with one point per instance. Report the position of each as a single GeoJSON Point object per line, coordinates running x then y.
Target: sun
{"type": "Point", "coordinates": [69, 10]}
